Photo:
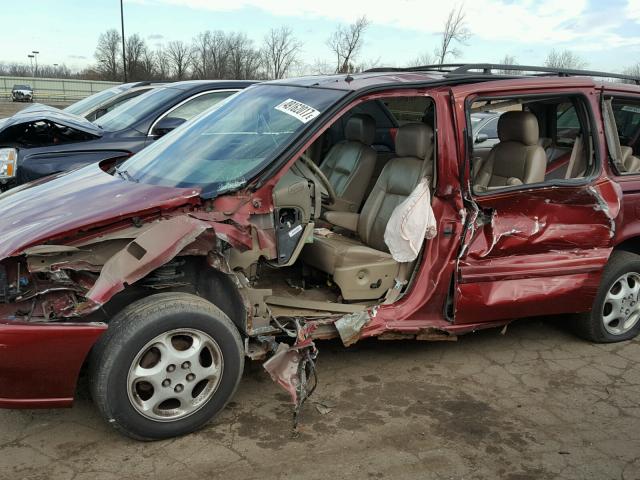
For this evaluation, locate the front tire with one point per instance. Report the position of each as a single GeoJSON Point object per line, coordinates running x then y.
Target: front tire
{"type": "Point", "coordinates": [166, 366]}
{"type": "Point", "coordinates": [615, 315]}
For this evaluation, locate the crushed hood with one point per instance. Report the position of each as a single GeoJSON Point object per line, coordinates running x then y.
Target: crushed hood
{"type": "Point", "coordinates": [68, 203]}
{"type": "Point", "coordinates": [39, 112]}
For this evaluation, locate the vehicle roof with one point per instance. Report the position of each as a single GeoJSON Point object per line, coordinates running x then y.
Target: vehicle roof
{"type": "Point", "coordinates": [195, 84]}
{"type": "Point", "coordinates": [397, 77]}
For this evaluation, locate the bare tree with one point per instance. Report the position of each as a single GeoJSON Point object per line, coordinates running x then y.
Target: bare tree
{"type": "Point", "coordinates": [200, 54]}
{"type": "Point", "coordinates": [163, 63]}
{"type": "Point", "coordinates": [148, 65]}
{"type": "Point", "coordinates": [218, 54]}
{"type": "Point", "coordinates": [633, 70]}
{"type": "Point", "coordinates": [455, 32]}
{"type": "Point", "coordinates": [508, 60]}
{"type": "Point", "coordinates": [179, 55]}
{"type": "Point", "coordinates": [243, 59]}
{"type": "Point", "coordinates": [280, 52]}
{"type": "Point", "coordinates": [346, 44]}
{"type": "Point", "coordinates": [107, 54]}
{"type": "Point", "coordinates": [423, 59]}
{"type": "Point", "coordinates": [564, 59]}
{"type": "Point", "coordinates": [135, 49]}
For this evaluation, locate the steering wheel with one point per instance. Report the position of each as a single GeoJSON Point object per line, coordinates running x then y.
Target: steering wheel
{"type": "Point", "coordinates": [331, 193]}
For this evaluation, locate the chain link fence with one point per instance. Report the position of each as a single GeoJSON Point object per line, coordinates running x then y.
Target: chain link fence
{"type": "Point", "coordinates": [53, 90]}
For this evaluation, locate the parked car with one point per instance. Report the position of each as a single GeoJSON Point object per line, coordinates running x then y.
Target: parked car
{"type": "Point", "coordinates": [253, 232]}
{"type": "Point", "coordinates": [22, 93]}
{"type": "Point", "coordinates": [101, 103]}
{"type": "Point", "coordinates": [44, 140]}
{"type": "Point", "coordinates": [485, 128]}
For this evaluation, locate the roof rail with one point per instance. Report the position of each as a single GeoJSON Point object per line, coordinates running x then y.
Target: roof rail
{"type": "Point", "coordinates": [459, 69]}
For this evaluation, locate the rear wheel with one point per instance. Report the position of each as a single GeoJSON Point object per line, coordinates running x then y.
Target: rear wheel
{"type": "Point", "coordinates": [615, 315]}
{"type": "Point", "coordinates": [166, 366]}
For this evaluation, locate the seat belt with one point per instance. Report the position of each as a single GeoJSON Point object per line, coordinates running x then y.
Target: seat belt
{"type": "Point", "coordinates": [575, 154]}
{"type": "Point", "coordinates": [611, 134]}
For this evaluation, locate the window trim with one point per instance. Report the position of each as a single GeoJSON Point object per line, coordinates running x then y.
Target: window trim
{"type": "Point", "coordinates": [593, 132]}
{"type": "Point", "coordinates": [188, 99]}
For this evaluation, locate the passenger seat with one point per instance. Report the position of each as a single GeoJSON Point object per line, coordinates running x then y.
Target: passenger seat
{"type": "Point", "coordinates": [363, 267]}
{"type": "Point", "coordinates": [349, 164]}
{"type": "Point", "coordinates": [518, 159]}
{"type": "Point", "coordinates": [630, 162]}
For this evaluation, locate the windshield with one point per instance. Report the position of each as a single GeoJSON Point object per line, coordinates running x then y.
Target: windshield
{"type": "Point", "coordinates": [137, 109]}
{"type": "Point", "coordinates": [87, 104]}
{"type": "Point", "coordinates": [230, 143]}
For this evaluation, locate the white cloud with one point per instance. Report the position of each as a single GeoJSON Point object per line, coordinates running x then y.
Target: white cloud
{"type": "Point", "coordinates": [541, 22]}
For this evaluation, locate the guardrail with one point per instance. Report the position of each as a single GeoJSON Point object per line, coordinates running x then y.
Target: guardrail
{"type": "Point", "coordinates": [54, 89]}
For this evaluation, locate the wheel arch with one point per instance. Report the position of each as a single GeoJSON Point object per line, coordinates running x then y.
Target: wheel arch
{"type": "Point", "coordinates": [631, 244]}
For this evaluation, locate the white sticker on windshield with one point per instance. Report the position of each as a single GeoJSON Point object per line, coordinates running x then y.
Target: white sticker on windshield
{"type": "Point", "coordinates": [297, 109]}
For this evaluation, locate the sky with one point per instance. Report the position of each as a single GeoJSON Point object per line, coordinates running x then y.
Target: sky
{"type": "Point", "coordinates": [606, 34]}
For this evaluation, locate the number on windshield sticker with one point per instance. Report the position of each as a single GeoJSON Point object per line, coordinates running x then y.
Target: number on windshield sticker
{"type": "Point", "coordinates": [299, 110]}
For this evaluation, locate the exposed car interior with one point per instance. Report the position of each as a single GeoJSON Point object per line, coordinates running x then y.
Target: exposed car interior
{"type": "Point", "coordinates": [332, 251]}
{"type": "Point", "coordinates": [539, 140]}
{"type": "Point", "coordinates": [623, 116]}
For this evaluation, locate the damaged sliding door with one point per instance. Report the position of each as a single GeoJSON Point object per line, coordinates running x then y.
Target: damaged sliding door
{"type": "Point", "coordinates": [535, 252]}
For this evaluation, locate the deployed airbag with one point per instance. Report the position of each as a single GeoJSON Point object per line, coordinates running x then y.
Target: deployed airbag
{"type": "Point", "coordinates": [410, 223]}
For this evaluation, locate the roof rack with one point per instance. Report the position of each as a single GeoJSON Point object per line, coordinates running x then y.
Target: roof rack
{"type": "Point", "coordinates": [495, 69]}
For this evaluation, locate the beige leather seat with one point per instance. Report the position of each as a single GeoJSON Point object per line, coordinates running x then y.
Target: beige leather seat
{"type": "Point", "coordinates": [349, 164]}
{"type": "Point", "coordinates": [630, 162]}
{"type": "Point", "coordinates": [362, 267]}
{"type": "Point", "coordinates": [517, 159]}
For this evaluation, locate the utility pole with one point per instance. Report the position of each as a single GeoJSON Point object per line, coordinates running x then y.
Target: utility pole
{"type": "Point", "coordinates": [35, 56]}
{"type": "Point", "coordinates": [124, 55]}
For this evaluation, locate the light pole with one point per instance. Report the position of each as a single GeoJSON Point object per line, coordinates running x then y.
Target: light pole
{"type": "Point", "coordinates": [35, 56]}
{"type": "Point", "coordinates": [55, 69]}
{"type": "Point", "coordinates": [31, 57]}
{"type": "Point", "coordinates": [124, 56]}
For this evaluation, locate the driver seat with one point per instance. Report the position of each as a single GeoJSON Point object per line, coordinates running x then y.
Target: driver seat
{"type": "Point", "coordinates": [349, 164]}
{"type": "Point", "coordinates": [363, 267]}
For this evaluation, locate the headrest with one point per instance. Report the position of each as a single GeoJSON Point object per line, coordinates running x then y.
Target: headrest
{"type": "Point", "coordinates": [360, 128]}
{"type": "Point", "coordinates": [518, 127]}
{"type": "Point", "coordinates": [414, 140]}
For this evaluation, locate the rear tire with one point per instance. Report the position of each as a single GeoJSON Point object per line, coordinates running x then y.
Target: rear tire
{"type": "Point", "coordinates": [167, 364]}
{"type": "Point", "coordinates": [615, 314]}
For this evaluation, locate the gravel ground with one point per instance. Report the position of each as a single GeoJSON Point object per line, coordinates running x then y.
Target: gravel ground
{"type": "Point", "coordinates": [534, 403]}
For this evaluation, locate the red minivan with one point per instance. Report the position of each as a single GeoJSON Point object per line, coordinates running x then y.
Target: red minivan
{"type": "Point", "coordinates": [346, 206]}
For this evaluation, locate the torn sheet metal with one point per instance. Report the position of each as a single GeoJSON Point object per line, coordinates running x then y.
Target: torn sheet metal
{"type": "Point", "coordinates": [293, 367]}
{"type": "Point", "coordinates": [350, 325]}
{"type": "Point", "coordinates": [539, 251]}
{"type": "Point", "coordinates": [149, 251]}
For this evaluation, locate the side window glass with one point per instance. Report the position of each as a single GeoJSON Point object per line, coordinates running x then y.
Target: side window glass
{"type": "Point", "coordinates": [567, 124]}
{"type": "Point", "coordinates": [198, 104]}
{"type": "Point", "coordinates": [408, 109]}
{"type": "Point", "coordinates": [490, 129]}
{"type": "Point", "coordinates": [520, 161]}
{"type": "Point", "coordinates": [627, 117]}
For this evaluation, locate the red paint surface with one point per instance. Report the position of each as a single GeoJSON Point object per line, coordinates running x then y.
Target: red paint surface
{"type": "Point", "coordinates": [39, 363]}
{"type": "Point", "coordinates": [81, 200]}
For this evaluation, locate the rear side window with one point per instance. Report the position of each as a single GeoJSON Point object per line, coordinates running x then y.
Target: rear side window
{"type": "Point", "coordinates": [198, 104]}
{"type": "Point", "coordinates": [408, 109]}
{"type": "Point", "coordinates": [627, 117]}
